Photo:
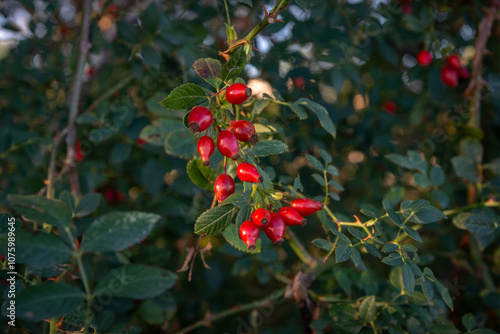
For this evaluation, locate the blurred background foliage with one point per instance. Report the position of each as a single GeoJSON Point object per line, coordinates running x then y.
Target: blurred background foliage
{"type": "Point", "coordinates": [356, 58]}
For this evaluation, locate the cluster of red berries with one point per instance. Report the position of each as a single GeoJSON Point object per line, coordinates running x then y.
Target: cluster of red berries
{"type": "Point", "coordinates": [201, 118]}
{"type": "Point", "coordinates": [451, 72]}
{"type": "Point", "coordinates": [274, 224]}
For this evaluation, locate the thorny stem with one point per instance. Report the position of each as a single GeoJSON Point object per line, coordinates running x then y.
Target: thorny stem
{"type": "Point", "coordinates": [470, 207]}
{"type": "Point", "coordinates": [280, 5]}
{"type": "Point", "coordinates": [237, 309]}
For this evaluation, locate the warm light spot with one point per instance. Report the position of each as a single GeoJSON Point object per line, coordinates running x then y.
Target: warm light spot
{"type": "Point", "coordinates": [259, 87]}
{"type": "Point", "coordinates": [170, 177]}
{"type": "Point", "coordinates": [328, 93]}
{"type": "Point", "coordinates": [356, 157]}
{"type": "Point", "coordinates": [360, 102]}
{"type": "Point", "coordinates": [133, 193]}
{"type": "Point", "coordinates": [105, 23]}
{"type": "Point", "coordinates": [389, 180]}
{"type": "Point", "coordinates": [468, 54]}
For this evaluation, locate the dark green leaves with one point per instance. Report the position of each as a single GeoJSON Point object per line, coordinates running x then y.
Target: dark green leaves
{"type": "Point", "coordinates": [47, 300]}
{"type": "Point", "coordinates": [368, 309]}
{"type": "Point", "coordinates": [179, 143]}
{"type": "Point", "coordinates": [209, 69]}
{"type": "Point", "coordinates": [323, 244]}
{"type": "Point", "coordinates": [235, 65]}
{"type": "Point", "coordinates": [322, 113]}
{"type": "Point", "coordinates": [465, 168]}
{"type": "Point", "coordinates": [118, 230]}
{"type": "Point", "coordinates": [265, 148]}
{"type": "Point", "coordinates": [185, 97]}
{"type": "Point", "coordinates": [202, 176]}
{"type": "Point", "coordinates": [298, 110]}
{"type": "Point", "coordinates": [423, 213]}
{"type": "Point", "coordinates": [233, 238]}
{"type": "Point", "coordinates": [136, 281]}
{"type": "Point", "coordinates": [408, 279]}
{"type": "Point", "coordinates": [88, 204]}
{"type": "Point", "coordinates": [342, 252]}
{"type": "Point", "coordinates": [42, 210]}
{"type": "Point", "coordinates": [41, 250]}
{"type": "Point", "coordinates": [214, 221]}
{"type": "Point", "coordinates": [480, 224]}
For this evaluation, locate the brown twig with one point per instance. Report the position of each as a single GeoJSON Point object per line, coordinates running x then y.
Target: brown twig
{"type": "Point", "coordinates": [473, 91]}
{"type": "Point", "coordinates": [75, 99]}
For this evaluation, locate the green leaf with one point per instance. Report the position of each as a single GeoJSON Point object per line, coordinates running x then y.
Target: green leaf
{"type": "Point", "coordinates": [389, 248]}
{"type": "Point", "coordinates": [341, 236]}
{"type": "Point", "coordinates": [265, 148]}
{"type": "Point", "coordinates": [368, 309]}
{"type": "Point", "coordinates": [332, 170]}
{"type": "Point", "coordinates": [479, 224]}
{"type": "Point", "coordinates": [322, 113]}
{"type": "Point", "coordinates": [320, 179]}
{"type": "Point", "coordinates": [472, 149]}
{"type": "Point", "coordinates": [297, 185]}
{"type": "Point", "coordinates": [235, 199]}
{"type": "Point", "coordinates": [417, 161]}
{"type": "Point", "coordinates": [185, 97]}
{"type": "Point", "coordinates": [336, 185]}
{"type": "Point", "coordinates": [202, 176]}
{"type": "Point", "coordinates": [469, 321]}
{"type": "Point", "coordinates": [421, 180]}
{"type": "Point", "coordinates": [323, 244]}
{"type": "Point", "coordinates": [42, 210]}
{"type": "Point", "coordinates": [209, 70]}
{"type": "Point", "coordinates": [368, 213]}
{"type": "Point", "coordinates": [47, 300]}
{"type": "Point", "coordinates": [179, 143]}
{"type": "Point", "coordinates": [355, 257]}
{"type": "Point", "coordinates": [445, 294]}
{"type": "Point", "coordinates": [120, 153]}
{"type": "Point", "coordinates": [135, 281]}
{"type": "Point", "coordinates": [373, 250]}
{"type": "Point", "coordinates": [355, 233]}
{"type": "Point", "coordinates": [235, 65]}
{"type": "Point", "coordinates": [232, 237]}
{"type": "Point", "coordinates": [410, 248]}
{"type": "Point", "coordinates": [426, 214]}
{"type": "Point", "coordinates": [298, 110]}
{"type": "Point", "coordinates": [243, 214]}
{"type": "Point", "coordinates": [150, 56]}
{"type": "Point", "coordinates": [315, 162]}
{"type": "Point", "coordinates": [393, 260]}
{"type": "Point", "coordinates": [156, 133]}
{"type": "Point", "coordinates": [214, 221]}
{"type": "Point", "coordinates": [88, 204]}
{"type": "Point", "coordinates": [427, 288]}
{"type": "Point", "coordinates": [41, 250]}
{"type": "Point", "coordinates": [400, 160]}
{"type": "Point", "coordinates": [437, 176]}
{"type": "Point", "coordinates": [465, 169]}
{"type": "Point", "coordinates": [342, 252]}
{"type": "Point", "coordinates": [118, 230]}
{"type": "Point", "coordinates": [412, 233]}
{"type": "Point", "coordinates": [325, 155]}
{"type": "Point", "coordinates": [408, 279]}
{"type": "Point", "coordinates": [344, 281]}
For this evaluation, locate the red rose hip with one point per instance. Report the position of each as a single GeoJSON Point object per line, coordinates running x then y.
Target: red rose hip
{"type": "Point", "coordinates": [424, 58]}
{"type": "Point", "coordinates": [200, 119]}
{"type": "Point", "coordinates": [248, 173]}
{"type": "Point", "coordinates": [228, 145]}
{"type": "Point", "coordinates": [276, 229]}
{"type": "Point", "coordinates": [453, 61]}
{"type": "Point", "coordinates": [261, 217]}
{"type": "Point", "coordinates": [223, 187]}
{"type": "Point", "coordinates": [206, 148]}
{"type": "Point", "coordinates": [449, 76]}
{"type": "Point", "coordinates": [249, 233]}
{"type": "Point", "coordinates": [245, 132]}
{"type": "Point", "coordinates": [237, 93]}
{"type": "Point", "coordinates": [306, 206]}
{"type": "Point", "coordinates": [292, 217]}
{"type": "Point", "coordinates": [463, 73]}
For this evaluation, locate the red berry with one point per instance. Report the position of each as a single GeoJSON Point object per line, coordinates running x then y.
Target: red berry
{"type": "Point", "coordinates": [206, 148]}
{"type": "Point", "coordinates": [306, 206]}
{"type": "Point", "coordinates": [406, 9]}
{"type": "Point", "coordinates": [463, 73]}
{"type": "Point", "coordinates": [299, 82]}
{"type": "Point", "coordinates": [292, 217]}
{"type": "Point", "coordinates": [449, 76]}
{"type": "Point", "coordinates": [249, 233]}
{"type": "Point", "coordinates": [237, 93]}
{"type": "Point", "coordinates": [424, 58]}
{"type": "Point", "coordinates": [245, 132]}
{"type": "Point", "coordinates": [276, 229]}
{"type": "Point", "coordinates": [248, 173]}
{"type": "Point", "coordinates": [79, 153]}
{"type": "Point", "coordinates": [390, 107]}
{"type": "Point", "coordinates": [200, 119]}
{"type": "Point", "coordinates": [2, 258]}
{"type": "Point", "coordinates": [228, 145]}
{"type": "Point", "coordinates": [140, 141]}
{"type": "Point", "coordinates": [261, 217]}
{"type": "Point", "coordinates": [453, 61]}
{"type": "Point", "coordinates": [223, 187]}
